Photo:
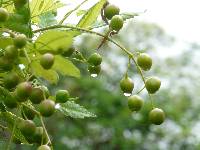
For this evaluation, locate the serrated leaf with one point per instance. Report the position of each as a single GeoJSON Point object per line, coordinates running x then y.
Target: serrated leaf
{"type": "Point", "coordinates": [39, 7]}
{"type": "Point", "coordinates": [65, 67]}
{"type": "Point", "coordinates": [49, 75]}
{"type": "Point", "coordinates": [9, 118]}
{"type": "Point", "coordinates": [70, 108]}
{"type": "Point", "coordinates": [91, 16]}
{"type": "Point", "coordinates": [53, 40]}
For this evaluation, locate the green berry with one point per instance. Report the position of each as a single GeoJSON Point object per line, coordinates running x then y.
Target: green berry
{"type": "Point", "coordinates": [110, 11]}
{"type": "Point", "coordinates": [10, 80]}
{"type": "Point", "coordinates": [5, 64]}
{"type": "Point", "coordinates": [116, 23]}
{"type": "Point", "coordinates": [38, 135]}
{"type": "Point", "coordinates": [157, 116]}
{"type": "Point", "coordinates": [144, 61]}
{"type": "Point", "coordinates": [152, 84]}
{"type": "Point", "coordinates": [47, 108]}
{"type": "Point", "coordinates": [27, 127]}
{"type": "Point", "coordinates": [62, 96]}
{"type": "Point", "coordinates": [20, 41]}
{"type": "Point", "coordinates": [28, 113]}
{"type": "Point", "coordinates": [4, 15]}
{"type": "Point", "coordinates": [20, 3]}
{"type": "Point", "coordinates": [94, 70]}
{"type": "Point", "coordinates": [95, 59]}
{"type": "Point", "coordinates": [127, 85]}
{"type": "Point", "coordinates": [45, 90]}
{"type": "Point", "coordinates": [23, 91]}
{"type": "Point", "coordinates": [10, 101]}
{"type": "Point", "coordinates": [44, 147]}
{"type": "Point", "coordinates": [67, 52]}
{"type": "Point", "coordinates": [11, 52]}
{"type": "Point", "coordinates": [135, 103]}
{"type": "Point", "coordinates": [36, 95]}
{"type": "Point", "coordinates": [47, 61]}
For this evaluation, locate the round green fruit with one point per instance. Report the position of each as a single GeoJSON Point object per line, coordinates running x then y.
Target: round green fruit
{"type": "Point", "coordinates": [23, 91]}
{"type": "Point", "coordinates": [5, 64]}
{"type": "Point", "coordinates": [47, 108]}
{"type": "Point", "coordinates": [135, 103]}
{"type": "Point", "coordinates": [36, 95]}
{"type": "Point", "coordinates": [27, 127]}
{"type": "Point", "coordinates": [127, 85]}
{"type": "Point", "coordinates": [47, 60]}
{"type": "Point", "coordinates": [11, 52]}
{"type": "Point", "coordinates": [10, 80]}
{"type": "Point", "coordinates": [4, 15]}
{"type": "Point", "coordinates": [28, 113]}
{"type": "Point", "coordinates": [144, 61]}
{"type": "Point", "coordinates": [95, 59]}
{"type": "Point", "coordinates": [94, 70]}
{"type": "Point", "coordinates": [20, 3]}
{"type": "Point", "coordinates": [10, 101]}
{"type": "Point", "coordinates": [157, 116]}
{"type": "Point", "coordinates": [67, 52]}
{"type": "Point", "coordinates": [62, 96]}
{"type": "Point", "coordinates": [38, 135]}
{"type": "Point", "coordinates": [110, 11]}
{"type": "Point", "coordinates": [116, 23]}
{"type": "Point", "coordinates": [20, 41]}
{"type": "Point", "coordinates": [45, 90]}
{"type": "Point", "coordinates": [44, 147]}
{"type": "Point", "coordinates": [152, 84]}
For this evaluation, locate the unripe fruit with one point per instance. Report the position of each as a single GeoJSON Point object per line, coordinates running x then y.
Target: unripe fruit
{"type": "Point", "coordinates": [44, 147]}
{"type": "Point", "coordinates": [20, 3]}
{"type": "Point", "coordinates": [157, 116]}
{"type": "Point", "coordinates": [62, 96]}
{"type": "Point", "coordinates": [4, 15]}
{"type": "Point", "coordinates": [36, 95]}
{"type": "Point", "coordinates": [152, 84]}
{"type": "Point", "coordinates": [47, 61]}
{"type": "Point", "coordinates": [28, 113]}
{"type": "Point", "coordinates": [10, 80]}
{"type": "Point", "coordinates": [67, 52]}
{"type": "Point", "coordinates": [144, 61]}
{"type": "Point", "coordinates": [37, 137]}
{"type": "Point", "coordinates": [20, 41]}
{"type": "Point", "coordinates": [27, 127]}
{"type": "Point", "coordinates": [23, 91]}
{"type": "Point", "coordinates": [10, 101]}
{"type": "Point", "coordinates": [95, 59]}
{"type": "Point", "coordinates": [127, 85]}
{"type": "Point", "coordinates": [135, 103]}
{"type": "Point", "coordinates": [116, 23]}
{"type": "Point", "coordinates": [47, 108]}
{"type": "Point", "coordinates": [94, 70]}
{"type": "Point", "coordinates": [11, 52]}
{"type": "Point", "coordinates": [6, 64]}
{"type": "Point", "coordinates": [110, 11]}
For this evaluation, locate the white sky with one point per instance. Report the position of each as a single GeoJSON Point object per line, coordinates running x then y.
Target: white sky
{"type": "Point", "coordinates": [180, 18]}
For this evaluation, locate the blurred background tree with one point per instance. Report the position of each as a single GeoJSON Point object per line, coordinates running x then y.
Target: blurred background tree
{"type": "Point", "coordinates": [116, 127]}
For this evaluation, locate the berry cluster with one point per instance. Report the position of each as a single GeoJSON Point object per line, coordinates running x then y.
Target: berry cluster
{"type": "Point", "coordinates": [152, 85]}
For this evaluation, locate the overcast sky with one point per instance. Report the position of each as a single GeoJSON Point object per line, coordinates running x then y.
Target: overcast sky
{"type": "Point", "coordinates": [179, 18]}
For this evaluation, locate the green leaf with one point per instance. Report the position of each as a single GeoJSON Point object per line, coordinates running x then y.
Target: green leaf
{"type": "Point", "coordinates": [39, 7]}
{"type": "Point", "coordinates": [9, 119]}
{"type": "Point", "coordinates": [70, 108]}
{"type": "Point", "coordinates": [49, 75]}
{"type": "Point", "coordinates": [65, 67]}
{"type": "Point", "coordinates": [47, 19]}
{"type": "Point", "coordinates": [91, 16]}
{"type": "Point", "coordinates": [81, 12]}
{"type": "Point", "coordinates": [52, 40]}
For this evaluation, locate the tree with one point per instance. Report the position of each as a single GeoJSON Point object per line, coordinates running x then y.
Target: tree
{"type": "Point", "coordinates": [30, 58]}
